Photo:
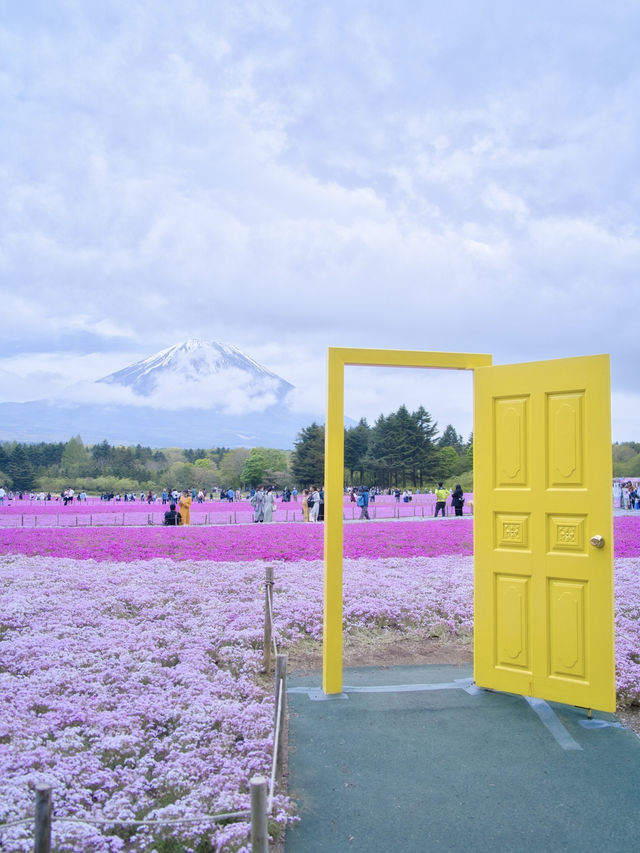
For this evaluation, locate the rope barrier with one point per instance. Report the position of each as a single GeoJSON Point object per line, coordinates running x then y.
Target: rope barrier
{"type": "Point", "coordinates": [16, 823]}
{"type": "Point", "coordinates": [276, 747]}
{"type": "Point", "coordinates": [125, 822]}
{"type": "Point", "coordinates": [158, 822]}
{"type": "Point", "coordinates": [627, 637]}
{"type": "Point", "coordinates": [273, 639]}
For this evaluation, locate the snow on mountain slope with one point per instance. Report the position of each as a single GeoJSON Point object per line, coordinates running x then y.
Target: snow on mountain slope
{"type": "Point", "coordinates": [197, 362]}
{"type": "Point", "coordinates": [193, 394]}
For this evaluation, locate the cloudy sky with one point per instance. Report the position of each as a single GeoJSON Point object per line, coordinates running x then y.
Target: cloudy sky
{"type": "Point", "coordinates": [286, 176]}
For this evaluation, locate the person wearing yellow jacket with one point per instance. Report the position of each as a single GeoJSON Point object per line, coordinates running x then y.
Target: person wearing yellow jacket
{"type": "Point", "coordinates": [441, 496]}
{"type": "Point", "coordinates": [185, 506]}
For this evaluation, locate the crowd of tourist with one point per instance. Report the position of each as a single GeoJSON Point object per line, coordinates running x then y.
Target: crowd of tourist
{"type": "Point", "coordinates": [626, 495]}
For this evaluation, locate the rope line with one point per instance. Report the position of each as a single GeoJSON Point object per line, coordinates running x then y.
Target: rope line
{"type": "Point", "coordinates": [269, 605]}
{"type": "Point", "coordinates": [168, 822]}
{"type": "Point", "coordinates": [627, 637]}
{"type": "Point", "coordinates": [276, 745]}
{"type": "Point", "coordinates": [11, 823]}
{"type": "Point", "coordinates": [117, 822]}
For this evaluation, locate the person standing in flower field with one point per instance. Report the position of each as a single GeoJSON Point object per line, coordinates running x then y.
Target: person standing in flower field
{"type": "Point", "coordinates": [457, 499]}
{"type": "Point", "coordinates": [305, 504]}
{"type": "Point", "coordinates": [441, 497]}
{"type": "Point", "coordinates": [257, 501]}
{"type": "Point", "coordinates": [363, 503]}
{"type": "Point", "coordinates": [269, 504]}
{"type": "Point", "coordinates": [185, 506]}
{"type": "Point", "coordinates": [313, 502]}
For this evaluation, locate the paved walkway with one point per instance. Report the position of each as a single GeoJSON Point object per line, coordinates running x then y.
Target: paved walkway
{"type": "Point", "coordinates": [419, 759]}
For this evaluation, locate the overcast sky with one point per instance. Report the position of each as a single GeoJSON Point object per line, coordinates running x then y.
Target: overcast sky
{"type": "Point", "coordinates": [287, 176]}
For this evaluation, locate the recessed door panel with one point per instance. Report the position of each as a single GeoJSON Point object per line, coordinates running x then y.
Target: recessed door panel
{"type": "Point", "coordinates": [565, 414]}
{"type": "Point", "coordinates": [511, 443]}
{"type": "Point", "coordinates": [567, 630]}
{"type": "Point", "coordinates": [513, 622]}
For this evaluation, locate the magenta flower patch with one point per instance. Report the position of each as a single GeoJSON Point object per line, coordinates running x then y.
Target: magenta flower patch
{"type": "Point", "coordinates": [298, 541]}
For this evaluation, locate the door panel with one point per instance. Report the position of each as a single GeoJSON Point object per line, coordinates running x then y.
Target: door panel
{"type": "Point", "coordinates": [542, 488]}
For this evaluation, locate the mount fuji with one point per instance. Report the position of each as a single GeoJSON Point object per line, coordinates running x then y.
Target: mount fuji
{"type": "Point", "coordinates": [193, 394]}
{"type": "Point", "coordinates": [198, 362]}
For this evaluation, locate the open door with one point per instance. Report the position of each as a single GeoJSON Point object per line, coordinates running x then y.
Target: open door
{"type": "Point", "coordinates": [544, 621]}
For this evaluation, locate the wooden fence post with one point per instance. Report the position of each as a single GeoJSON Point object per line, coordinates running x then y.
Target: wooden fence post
{"type": "Point", "coordinates": [259, 835]}
{"type": "Point", "coordinates": [268, 610]}
{"type": "Point", "coordinates": [42, 828]}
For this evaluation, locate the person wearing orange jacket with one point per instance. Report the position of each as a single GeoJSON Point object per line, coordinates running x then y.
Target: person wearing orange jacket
{"type": "Point", "coordinates": [185, 506]}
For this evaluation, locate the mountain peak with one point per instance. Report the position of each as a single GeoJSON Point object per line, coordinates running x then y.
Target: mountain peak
{"type": "Point", "coordinates": [195, 361]}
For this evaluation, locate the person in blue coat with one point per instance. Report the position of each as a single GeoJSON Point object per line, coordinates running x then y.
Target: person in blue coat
{"type": "Point", "coordinates": [363, 503]}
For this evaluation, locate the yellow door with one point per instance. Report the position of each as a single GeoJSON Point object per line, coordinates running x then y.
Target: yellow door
{"type": "Point", "coordinates": [544, 623]}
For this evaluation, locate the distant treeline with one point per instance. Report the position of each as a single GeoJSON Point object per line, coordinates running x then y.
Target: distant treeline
{"type": "Point", "coordinates": [398, 450]}
{"type": "Point", "coordinates": [626, 459]}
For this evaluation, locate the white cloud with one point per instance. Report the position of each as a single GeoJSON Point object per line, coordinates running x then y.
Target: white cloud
{"type": "Point", "coordinates": [230, 393]}
{"type": "Point", "coordinates": [288, 177]}
{"type": "Point", "coordinates": [624, 414]}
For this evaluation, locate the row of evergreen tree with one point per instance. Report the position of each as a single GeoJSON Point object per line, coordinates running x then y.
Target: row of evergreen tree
{"type": "Point", "coordinates": [400, 449]}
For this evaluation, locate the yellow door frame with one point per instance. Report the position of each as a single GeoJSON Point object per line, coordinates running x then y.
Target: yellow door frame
{"type": "Point", "coordinates": [338, 357]}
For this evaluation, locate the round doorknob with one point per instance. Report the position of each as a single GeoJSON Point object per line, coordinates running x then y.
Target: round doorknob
{"type": "Point", "coordinates": [597, 541]}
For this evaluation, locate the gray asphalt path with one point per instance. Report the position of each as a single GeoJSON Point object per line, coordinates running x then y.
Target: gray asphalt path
{"type": "Point", "coordinates": [418, 759]}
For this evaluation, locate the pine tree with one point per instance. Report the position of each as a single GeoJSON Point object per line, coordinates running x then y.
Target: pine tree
{"type": "Point", "coordinates": [307, 461]}
{"type": "Point", "coordinates": [427, 428]}
{"type": "Point", "coordinates": [379, 458]}
{"type": "Point", "coordinates": [451, 438]}
{"type": "Point", "coordinates": [21, 470]}
{"type": "Point", "coordinates": [356, 443]}
{"type": "Point", "coordinates": [4, 459]}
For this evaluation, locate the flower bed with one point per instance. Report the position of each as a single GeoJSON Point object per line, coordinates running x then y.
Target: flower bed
{"type": "Point", "coordinates": [432, 538]}
{"type": "Point", "coordinates": [129, 681]}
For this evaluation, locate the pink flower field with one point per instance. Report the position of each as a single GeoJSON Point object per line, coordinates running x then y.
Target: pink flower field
{"type": "Point", "coordinates": [242, 542]}
{"type": "Point", "coordinates": [430, 538]}
{"type": "Point", "coordinates": [130, 658]}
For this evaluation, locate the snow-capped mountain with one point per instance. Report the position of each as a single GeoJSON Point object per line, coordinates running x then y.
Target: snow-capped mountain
{"type": "Point", "coordinates": [193, 394]}
{"type": "Point", "coordinates": [195, 361]}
